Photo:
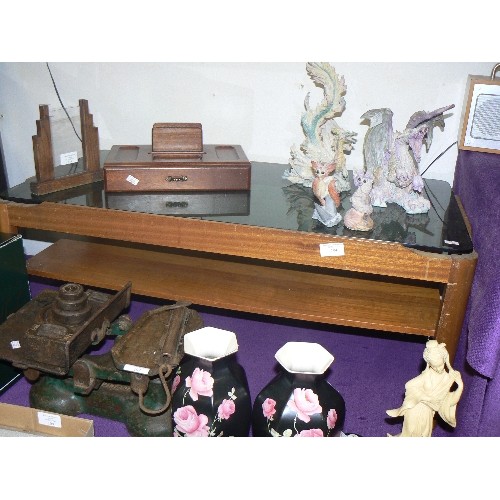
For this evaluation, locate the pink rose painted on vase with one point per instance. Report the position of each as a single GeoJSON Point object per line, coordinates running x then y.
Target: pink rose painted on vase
{"type": "Point", "coordinates": [299, 401]}
{"type": "Point", "coordinates": [331, 418]}
{"type": "Point", "coordinates": [306, 403]}
{"type": "Point", "coordinates": [176, 382]}
{"type": "Point", "coordinates": [226, 409]}
{"type": "Point", "coordinates": [188, 422]}
{"type": "Point", "coordinates": [200, 383]}
{"type": "Point", "coordinates": [315, 433]}
{"type": "Point", "coordinates": [269, 408]}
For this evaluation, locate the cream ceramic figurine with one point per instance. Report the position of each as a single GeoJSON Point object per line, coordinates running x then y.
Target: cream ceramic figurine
{"type": "Point", "coordinates": [437, 389]}
{"type": "Point", "coordinates": [358, 217]}
{"type": "Point", "coordinates": [325, 142]}
{"type": "Point", "coordinates": [392, 157]}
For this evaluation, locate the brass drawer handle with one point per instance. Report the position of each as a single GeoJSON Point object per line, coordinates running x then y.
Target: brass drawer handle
{"type": "Point", "coordinates": [177, 204]}
{"type": "Point", "coordinates": [182, 178]}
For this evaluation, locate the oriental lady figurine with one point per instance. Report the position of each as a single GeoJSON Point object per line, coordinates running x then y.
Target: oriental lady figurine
{"type": "Point", "coordinates": [437, 389]}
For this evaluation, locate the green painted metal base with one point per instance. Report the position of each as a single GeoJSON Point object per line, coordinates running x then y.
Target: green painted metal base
{"type": "Point", "coordinates": [110, 400]}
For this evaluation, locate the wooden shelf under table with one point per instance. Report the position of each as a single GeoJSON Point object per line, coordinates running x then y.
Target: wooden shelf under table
{"type": "Point", "coordinates": [248, 285]}
{"type": "Point", "coordinates": [375, 285]}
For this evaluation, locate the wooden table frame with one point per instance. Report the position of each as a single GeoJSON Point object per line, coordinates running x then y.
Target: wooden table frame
{"type": "Point", "coordinates": [375, 285]}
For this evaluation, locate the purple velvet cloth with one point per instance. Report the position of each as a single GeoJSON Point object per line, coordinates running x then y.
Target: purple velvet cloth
{"type": "Point", "coordinates": [370, 368]}
{"type": "Point", "coordinates": [477, 183]}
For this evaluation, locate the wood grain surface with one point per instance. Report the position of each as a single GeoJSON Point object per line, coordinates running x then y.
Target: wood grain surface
{"type": "Point", "coordinates": [249, 286]}
{"type": "Point", "coordinates": [361, 255]}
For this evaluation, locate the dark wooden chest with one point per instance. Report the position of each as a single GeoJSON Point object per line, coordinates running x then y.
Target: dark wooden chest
{"type": "Point", "coordinates": [140, 169]}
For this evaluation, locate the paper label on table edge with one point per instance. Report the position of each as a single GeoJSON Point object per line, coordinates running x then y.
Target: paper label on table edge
{"type": "Point", "coordinates": [331, 249]}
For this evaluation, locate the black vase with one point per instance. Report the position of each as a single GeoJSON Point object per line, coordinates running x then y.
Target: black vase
{"type": "Point", "coordinates": [210, 393]}
{"type": "Point", "coordinates": [299, 401]}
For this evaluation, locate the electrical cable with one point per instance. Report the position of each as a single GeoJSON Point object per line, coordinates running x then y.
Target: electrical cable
{"type": "Point", "coordinates": [437, 157]}
{"type": "Point", "coordinates": [60, 100]}
{"type": "Point", "coordinates": [426, 187]}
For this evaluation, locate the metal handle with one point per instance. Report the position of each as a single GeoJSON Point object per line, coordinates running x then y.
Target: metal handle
{"type": "Point", "coordinates": [494, 70]}
{"type": "Point", "coordinates": [177, 204]}
{"type": "Point", "coordinates": [164, 371]}
{"type": "Point", "coordinates": [182, 178]}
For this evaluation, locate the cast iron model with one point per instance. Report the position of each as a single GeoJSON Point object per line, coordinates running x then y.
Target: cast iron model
{"type": "Point", "coordinates": [48, 339]}
{"type": "Point", "coordinates": [49, 333]}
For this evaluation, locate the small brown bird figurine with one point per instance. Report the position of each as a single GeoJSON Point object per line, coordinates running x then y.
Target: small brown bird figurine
{"type": "Point", "coordinates": [324, 182]}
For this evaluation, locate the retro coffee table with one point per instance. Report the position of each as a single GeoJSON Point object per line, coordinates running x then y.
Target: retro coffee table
{"type": "Point", "coordinates": [259, 251]}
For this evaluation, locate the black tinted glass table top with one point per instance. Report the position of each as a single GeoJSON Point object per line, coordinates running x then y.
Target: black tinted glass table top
{"type": "Point", "coordinates": [274, 202]}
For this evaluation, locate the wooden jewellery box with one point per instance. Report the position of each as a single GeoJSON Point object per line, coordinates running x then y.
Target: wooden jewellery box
{"type": "Point", "coordinates": [176, 161]}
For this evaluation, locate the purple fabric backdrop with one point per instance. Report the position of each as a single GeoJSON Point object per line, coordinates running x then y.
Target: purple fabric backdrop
{"type": "Point", "coordinates": [477, 183]}
{"type": "Point", "coordinates": [369, 370]}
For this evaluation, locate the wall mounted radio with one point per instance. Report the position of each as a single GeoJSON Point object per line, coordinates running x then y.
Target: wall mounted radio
{"type": "Point", "coordinates": [480, 128]}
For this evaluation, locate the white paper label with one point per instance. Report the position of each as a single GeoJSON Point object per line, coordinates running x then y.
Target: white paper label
{"type": "Point", "coordinates": [331, 249]}
{"type": "Point", "coordinates": [136, 369]}
{"type": "Point", "coordinates": [15, 344]}
{"type": "Point", "coordinates": [448, 242]}
{"type": "Point", "coordinates": [67, 158]}
{"type": "Point", "coordinates": [49, 419]}
{"type": "Point", "coordinates": [133, 180]}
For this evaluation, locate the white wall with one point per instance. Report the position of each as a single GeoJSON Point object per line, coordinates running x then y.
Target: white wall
{"type": "Point", "coordinates": [257, 105]}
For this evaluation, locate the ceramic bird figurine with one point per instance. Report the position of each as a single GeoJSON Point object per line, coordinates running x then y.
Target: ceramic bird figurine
{"type": "Point", "coordinates": [324, 141]}
{"type": "Point", "coordinates": [326, 193]}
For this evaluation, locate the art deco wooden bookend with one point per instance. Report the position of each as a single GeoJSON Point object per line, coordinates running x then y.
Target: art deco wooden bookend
{"type": "Point", "coordinates": [46, 180]}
